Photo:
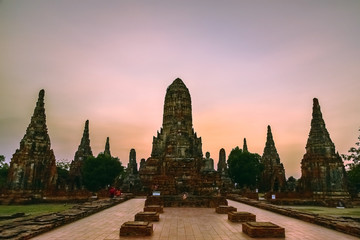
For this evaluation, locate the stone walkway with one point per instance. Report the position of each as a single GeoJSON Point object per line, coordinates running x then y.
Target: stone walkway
{"type": "Point", "coordinates": [185, 224]}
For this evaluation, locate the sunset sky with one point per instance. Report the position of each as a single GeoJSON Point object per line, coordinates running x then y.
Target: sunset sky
{"type": "Point", "coordinates": [247, 64]}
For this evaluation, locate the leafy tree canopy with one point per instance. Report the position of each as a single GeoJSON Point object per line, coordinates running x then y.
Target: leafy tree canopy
{"type": "Point", "coordinates": [100, 171]}
{"type": "Point", "coordinates": [3, 164]}
{"type": "Point", "coordinates": [63, 164]}
{"type": "Point", "coordinates": [62, 168]}
{"type": "Point", "coordinates": [353, 174]}
{"type": "Point", "coordinates": [4, 169]}
{"type": "Point", "coordinates": [244, 167]}
{"type": "Point", "coordinates": [291, 184]}
{"type": "Point", "coordinates": [354, 155]}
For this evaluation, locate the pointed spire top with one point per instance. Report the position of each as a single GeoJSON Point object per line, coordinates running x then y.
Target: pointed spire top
{"type": "Point", "coordinates": [269, 139]}
{"type": "Point", "coordinates": [178, 81]}
{"type": "Point", "coordinates": [316, 110]}
{"type": "Point", "coordinates": [107, 147]}
{"type": "Point", "coordinates": [270, 152]}
{"type": "Point", "coordinates": [40, 109]}
{"type": "Point", "coordinates": [319, 139]}
{"type": "Point", "coordinates": [37, 128]}
{"type": "Point", "coordinates": [86, 132]}
{"type": "Point", "coordinates": [87, 125]}
{"type": "Point", "coordinates": [41, 94]}
{"type": "Point", "coordinates": [245, 148]}
{"type": "Point", "coordinates": [84, 149]}
{"type": "Point", "coordinates": [177, 84]}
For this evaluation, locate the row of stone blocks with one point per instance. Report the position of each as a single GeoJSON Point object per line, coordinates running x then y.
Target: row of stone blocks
{"type": "Point", "coordinates": [142, 226]}
{"type": "Point", "coordinates": [249, 224]}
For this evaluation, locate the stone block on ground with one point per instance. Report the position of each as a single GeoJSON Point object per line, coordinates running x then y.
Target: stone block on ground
{"type": "Point", "coordinates": [223, 209]}
{"type": "Point", "coordinates": [136, 228]}
{"type": "Point", "coordinates": [263, 230]}
{"type": "Point", "coordinates": [147, 216]}
{"type": "Point", "coordinates": [154, 208]}
{"type": "Point", "coordinates": [241, 217]}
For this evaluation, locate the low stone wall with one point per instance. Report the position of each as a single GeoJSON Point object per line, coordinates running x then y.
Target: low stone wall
{"type": "Point", "coordinates": [27, 228]}
{"type": "Point", "coordinates": [347, 225]}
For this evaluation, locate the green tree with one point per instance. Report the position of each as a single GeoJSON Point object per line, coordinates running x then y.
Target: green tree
{"type": "Point", "coordinates": [354, 155]}
{"type": "Point", "coordinates": [244, 168]}
{"type": "Point", "coordinates": [101, 171]}
{"type": "Point", "coordinates": [353, 172]}
{"type": "Point", "coordinates": [4, 169]}
{"type": "Point", "coordinates": [291, 184]}
{"type": "Point", "coordinates": [62, 167]}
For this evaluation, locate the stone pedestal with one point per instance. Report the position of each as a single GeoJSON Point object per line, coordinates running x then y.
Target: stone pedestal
{"type": "Point", "coordinates": [223, 209]}
{"type": "Point", "coordinates": [136, 228]}
{"type": "Point", "coordinates": [263, 230]}
{"type": "Point", "coordinates": [147, 216]}
{"type": "Point", "coordinates": [241, 217]}
{"type": "Point", "coordinates": [154, 208]}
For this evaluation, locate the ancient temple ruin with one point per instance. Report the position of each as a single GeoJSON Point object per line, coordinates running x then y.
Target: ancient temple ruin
{"type": "Point", "coordinates": [107, 147]}
{"type": "Point", "coordinates": [222, 166]}
{"type": "Point", "coordinates": [176, 158]}
{"type": "Point", "coordinates": [84, 151]}
{"type": "Point", "coordinates": [273, 176]}
{"type": "Point", "coordinates": [322, 169]}
{"type": "Point", "coordinates": [131, 182]}
{"type": "Point", "coordinates": [222, 169]}
{"type": "Point", "coordinates": [245, 148]}
{"type": "Point", "coordinates": [33, 165]}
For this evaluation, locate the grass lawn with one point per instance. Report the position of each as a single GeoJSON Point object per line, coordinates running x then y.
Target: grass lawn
{"type": "Point", "coordinates": [346, 212]}
{"type": "Point", "coordinates": [33, 209]}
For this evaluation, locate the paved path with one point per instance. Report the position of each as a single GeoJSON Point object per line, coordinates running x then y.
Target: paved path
{"type": "Point", "coordinates": [185, 224]}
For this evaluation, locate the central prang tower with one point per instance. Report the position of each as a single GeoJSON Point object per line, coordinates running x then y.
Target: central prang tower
{"type": "Point", "coordinates": [176, 164]}
{"type": "Point", "coordinates": [177, 138]}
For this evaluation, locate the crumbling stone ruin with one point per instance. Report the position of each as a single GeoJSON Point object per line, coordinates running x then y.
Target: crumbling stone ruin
{"type": "Point", "coordinates": [273, 176]}
{"type": "Point", "coordinates": [131, 182]}
{"type": "Point", "coordinates": [222, 169]}
{"type": "Point", "coordinates": [245, 148]}
{"type": "Point", "coordinates": [107, 147]}
{"type": "Point", "coordinates": [322, 169]}
{"type": "Point", "coordinates": [177, 159]}
{"type": "Point", "coordinates": [132, 165]}
{"type": "Point", "coordinates": [222, 166]}
{"type": "Point", "coordinates": [33, 165]}
{"type": "Point", "coordinates": [84, 151]}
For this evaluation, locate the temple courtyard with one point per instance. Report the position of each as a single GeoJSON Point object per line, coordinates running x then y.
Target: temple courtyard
{"type": "Point", "coordinates": [185, 224]}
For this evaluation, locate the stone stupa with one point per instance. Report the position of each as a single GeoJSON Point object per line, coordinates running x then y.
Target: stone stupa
{"type": "Point", "coordinates": [322, 169]}
{"type": "Point", "coordinates": [176, 162]}
{"type": "Point", "coordinates": [273, 176]}
{"type": "Point", "coordinates": [84, 151]}
{"type": "Point", "coordinates": [33, 166]}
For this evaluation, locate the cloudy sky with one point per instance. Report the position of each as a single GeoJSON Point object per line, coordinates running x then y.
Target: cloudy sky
{"type": "Point", "coordinates": [247, 64]}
